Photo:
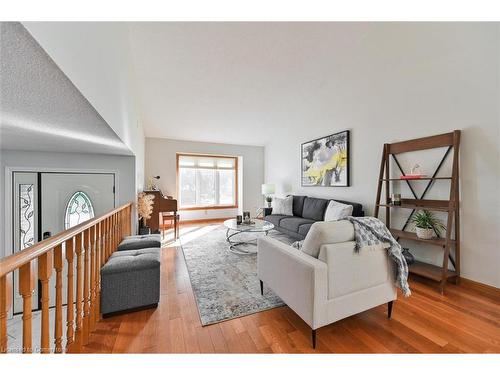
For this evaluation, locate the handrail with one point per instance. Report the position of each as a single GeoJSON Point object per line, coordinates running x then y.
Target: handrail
{"type": "Point", "coordinates": [16, 260]}
{"type": "Point", "coordinates": [83, 250]}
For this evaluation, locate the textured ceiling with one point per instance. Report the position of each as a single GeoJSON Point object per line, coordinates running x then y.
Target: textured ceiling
{"type": "Point", "coordinates": [40, 108]}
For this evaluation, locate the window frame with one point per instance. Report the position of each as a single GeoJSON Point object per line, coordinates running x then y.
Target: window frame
{"type": "Point", "coordinates": [211, 207]}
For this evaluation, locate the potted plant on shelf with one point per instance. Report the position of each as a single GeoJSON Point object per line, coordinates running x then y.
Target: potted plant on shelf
{"type": "Point", "coordinates": [144, 210]}
{"type": "Point", "coordinates": [426, 224]}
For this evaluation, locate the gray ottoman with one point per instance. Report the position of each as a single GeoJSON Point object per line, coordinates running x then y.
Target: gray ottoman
{"type": "Point", "coordinates": [130, 280]}
{"type": "Point", "coordinates": [140, 242]}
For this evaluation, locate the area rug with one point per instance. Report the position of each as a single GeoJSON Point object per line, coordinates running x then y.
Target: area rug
{"type": "Point", "coordinates": [225, 284]}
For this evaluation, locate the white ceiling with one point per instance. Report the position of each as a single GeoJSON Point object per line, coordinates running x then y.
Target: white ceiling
{"type": "Point", "coordinates": [40, 108]}
{"type": "Point", "coordinates": [237, 82]}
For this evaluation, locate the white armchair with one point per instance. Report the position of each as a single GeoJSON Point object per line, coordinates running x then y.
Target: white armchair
{"type": "Point", "coordinates": [337, 284]}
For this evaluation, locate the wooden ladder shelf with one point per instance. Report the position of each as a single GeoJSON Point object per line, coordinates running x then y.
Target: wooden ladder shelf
{"type": "Point", "coordinates": [450, 206]}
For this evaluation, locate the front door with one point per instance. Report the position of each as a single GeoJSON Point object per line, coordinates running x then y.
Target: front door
{"type": "Point", "coordinates": [47, 203]}
{"type": "Point", "coordinates": [68, 199]}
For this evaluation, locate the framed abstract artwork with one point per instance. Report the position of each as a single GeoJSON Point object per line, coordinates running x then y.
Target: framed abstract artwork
{"type": "Point", "coordinates": [325, 161]}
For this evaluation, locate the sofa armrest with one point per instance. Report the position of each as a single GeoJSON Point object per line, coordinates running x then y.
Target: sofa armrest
{"type": "Point", "coordinates": [298, 279]}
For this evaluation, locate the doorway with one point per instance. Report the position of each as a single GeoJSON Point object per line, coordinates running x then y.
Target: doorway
{"type": "Point", "coordinates": [47, 203]}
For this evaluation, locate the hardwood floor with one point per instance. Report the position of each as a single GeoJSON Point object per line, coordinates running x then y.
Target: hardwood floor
{"type": "Point", "coordinates": [465, 320]}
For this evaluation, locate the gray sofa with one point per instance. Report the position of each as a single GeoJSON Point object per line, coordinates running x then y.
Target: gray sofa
{"type": "Point", "coordinates": [130, 279]}
{"type": "Point", "coordinates": [306, 211]}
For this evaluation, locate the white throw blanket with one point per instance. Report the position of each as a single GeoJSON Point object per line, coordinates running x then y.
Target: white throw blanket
{"type": "Point", "coordinates": [371, 233]}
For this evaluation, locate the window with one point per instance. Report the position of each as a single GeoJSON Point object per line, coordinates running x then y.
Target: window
{"type": "Point", "coordinates": [27, 223]}
{"type": "Point", "coordinates": [206, 181]}
{"type": "Point", "coordinates": [78, 210]}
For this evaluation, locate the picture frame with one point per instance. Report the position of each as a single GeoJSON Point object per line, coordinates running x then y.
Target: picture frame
{"type": "Point", "coordinates": [325, 161]}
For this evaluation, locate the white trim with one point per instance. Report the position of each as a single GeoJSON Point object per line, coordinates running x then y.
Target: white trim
{"type": "Point", "coordinates": [8, 192]}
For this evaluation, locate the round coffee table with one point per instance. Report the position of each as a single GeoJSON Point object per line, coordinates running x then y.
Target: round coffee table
{"type": "Point", "coordinates": [257, 226]}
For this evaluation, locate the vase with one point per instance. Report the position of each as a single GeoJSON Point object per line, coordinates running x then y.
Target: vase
{"type": "Point", "coordinates": [144, 230]}
{"type": "Point", "coordinates": [425, 233]}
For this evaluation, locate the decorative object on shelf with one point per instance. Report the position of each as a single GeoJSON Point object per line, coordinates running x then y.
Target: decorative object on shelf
{"type": "Point", "coordinates": [269, 201]}
{"type": "Point", "coordinates": [151, 184]}
{"type": "Point", "coordinates": [410, 259]}
{"type": "Point", "coordinates": [415, 173]}
{"type": "Point", "coordinates": [144, 210]}
{"type": "Point", "coordinates": [246, 217]}
{"type": "Point", "coordinates": [426, 224]}
{"type": "Point", "coordinates": [450, 142]}
{"type": "Point", "coordinates": [325, 161]}
{"type": "Point", "coordinates": [396, 199]}
{"type": "Point", "coordinates": [267, 191]}
{"type": "Point", "coordinates": [239, 219]}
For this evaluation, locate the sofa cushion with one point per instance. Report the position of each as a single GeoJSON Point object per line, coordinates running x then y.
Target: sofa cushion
{"type": "Point", "coordinates": [337, 211]}
{"type": "Point", "coordinates": [132, 260]}
{"type": "Point", "coordinates": [357, 208]}
{"type": "Point", "coordinates": [140, 242]}
{"type": "Point", "coordinates": [275, 219]}
{"type": "Point", "coordinates": [304, 229]}
{"type": "Point", "coordinates": [294, 223]}
{"type": "Point", "coordinates": [282, 206]}
{"type": "Point", "coordinates": [322, 233]}
{"type": "Point", "coordinates": [314, 208]}
{"type": "Point", "coordinates": [298, 205]}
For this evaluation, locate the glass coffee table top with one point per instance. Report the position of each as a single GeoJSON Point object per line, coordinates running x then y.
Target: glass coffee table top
{"type": "Point", "coordinates": [257, 225]}
{"type": "Point", "coordinates": [243, 247]}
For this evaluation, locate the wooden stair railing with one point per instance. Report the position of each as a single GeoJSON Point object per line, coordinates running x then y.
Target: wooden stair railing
{"type": "Point", "coordinates": [92, 242]}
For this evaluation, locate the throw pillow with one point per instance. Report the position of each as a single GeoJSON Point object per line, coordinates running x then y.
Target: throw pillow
{"type": "Point", "coordinates": [323, 233]}
{"type": "Point", "coordinates": [337, 211]}
{"type": "Point", "coordinates": [282, 206]}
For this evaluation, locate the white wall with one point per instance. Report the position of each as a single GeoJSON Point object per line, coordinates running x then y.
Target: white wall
{"type": "Point", "coordinates": [161, 160]}
{"type": "Point", "coordinates": [96, 58]}
{"type": "Point", "coordinates": [122, 166]}
{"type": "Point", "coordinates": [400, 82]}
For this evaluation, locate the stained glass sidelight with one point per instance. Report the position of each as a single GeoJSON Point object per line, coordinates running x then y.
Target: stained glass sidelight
{"type": "Point", "coordinates": [27, 219]}
{"type": "Point", "coordinates": [78, 210]}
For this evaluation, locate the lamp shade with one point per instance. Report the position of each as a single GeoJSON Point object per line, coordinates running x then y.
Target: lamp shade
{"type": "Point", "coordinates": [268, 189]}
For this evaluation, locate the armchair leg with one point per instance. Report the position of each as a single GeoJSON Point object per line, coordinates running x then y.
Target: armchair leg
{"type": "Point", "coordinates": [261, 287]}
{"type": "Point", "coordinates": [389, 309]}
{"type": "Point", "coordinates": [313, 336]}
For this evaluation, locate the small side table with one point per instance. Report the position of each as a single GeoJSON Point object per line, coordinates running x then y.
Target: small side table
{"type": "Point", "coordinates": [267, 211]}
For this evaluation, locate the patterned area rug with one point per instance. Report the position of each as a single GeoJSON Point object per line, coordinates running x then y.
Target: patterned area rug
{"type": "Point", "coordinates": [225, 284]}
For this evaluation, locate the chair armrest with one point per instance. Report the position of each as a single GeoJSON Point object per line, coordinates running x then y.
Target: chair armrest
{"type": "Point", "coordinates": [297, 278]}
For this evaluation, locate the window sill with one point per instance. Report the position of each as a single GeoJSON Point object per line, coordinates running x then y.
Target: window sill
{"type": "Point", "coordinates": [202, 208]}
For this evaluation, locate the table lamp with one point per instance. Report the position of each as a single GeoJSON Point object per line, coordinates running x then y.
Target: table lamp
{"type": "Point", "coordinates": [267, 191]}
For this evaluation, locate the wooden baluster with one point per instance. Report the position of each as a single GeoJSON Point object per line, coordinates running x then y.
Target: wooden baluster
{"type": "Point", "coordinates": [129, 220]}
{"type": "Point", "coordinates": [113, 246]}
{"type": "Point", "coordinates": [98, 274]}
{"type": "Point", "coordinates": [117, 231]}
{"type": "Point", "coordinates": [92, 276]}
{"type": "Point", "coordinates": [26, 291]}
{"type": "Point", "coordinates": [108, 238]}
{"type": "Point", "coordinates": [79, 284]}
{"type": "Point", "coordinates": [69, 245]}
{"type": "Point", "coordinates": [4, 308]}
{"type": "Point", "coordinates": [58, 266]}
{"type": "Point", "coordinates": [45, 264]}
{"type": "Point", "coordinates": [122, 230]}
{"type": "Point", "coordinates": [115, 234]}
{"type": "Point", "coordinates": [111, 237]}
{"type": "Point", "coordinates": [86, 288]}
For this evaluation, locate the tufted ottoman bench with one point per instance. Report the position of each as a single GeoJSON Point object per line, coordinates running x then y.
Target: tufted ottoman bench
{"type": "Point", "coordinates": [140, 242]}
{"type": "Point", "coordinates": [130, 280]}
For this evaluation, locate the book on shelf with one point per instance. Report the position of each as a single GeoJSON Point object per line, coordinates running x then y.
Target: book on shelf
{"type": "Point", "coordinates": [413, 176]}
